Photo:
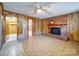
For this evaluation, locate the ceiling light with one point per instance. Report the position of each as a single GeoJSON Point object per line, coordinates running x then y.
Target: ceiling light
{"type": "Point", "coordinates": [39, 10]}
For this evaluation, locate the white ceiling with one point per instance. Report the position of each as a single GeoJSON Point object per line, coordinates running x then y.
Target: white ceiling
{"type": "Point", "coordinates": [53, 8]}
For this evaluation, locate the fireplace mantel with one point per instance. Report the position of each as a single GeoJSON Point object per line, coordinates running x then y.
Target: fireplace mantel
{"type": "Point", "coordinates": [56, 24]}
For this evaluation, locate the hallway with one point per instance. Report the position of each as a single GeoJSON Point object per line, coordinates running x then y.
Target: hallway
{"type": "Point", "coordinates": [40, 46]}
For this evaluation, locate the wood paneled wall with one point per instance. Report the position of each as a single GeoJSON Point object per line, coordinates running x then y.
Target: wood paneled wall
{"type": "Point", "coordinates": [1, 9]}
{"type": "Point", "coordinates": [1, 24]}
{"type": "Point", "coordinates": [36, 26]}
{"type": "Point", "coordinates": [36, 23]}
{"type": "Point", "coordinates": [73, 26]}
{"type": "Point", "coordinates": [8, 27]}
{"type": "Point", "coordinates": [45, 26]}
{"type": "Point", "coordinates": [59, 19]}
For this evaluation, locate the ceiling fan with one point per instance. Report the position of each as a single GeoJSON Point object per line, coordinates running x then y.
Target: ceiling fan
{"type": "Point", "coordinates": [39, 8]}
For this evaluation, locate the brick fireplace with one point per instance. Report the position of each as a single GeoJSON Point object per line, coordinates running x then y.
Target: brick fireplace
{"type": "Point", "coordinates": [55, 30]}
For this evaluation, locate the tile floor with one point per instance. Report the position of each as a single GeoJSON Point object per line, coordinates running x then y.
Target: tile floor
{"type": "Point", "coordinates": [13, 48]}
{"type": "Point", "coordinates": [40, 46]}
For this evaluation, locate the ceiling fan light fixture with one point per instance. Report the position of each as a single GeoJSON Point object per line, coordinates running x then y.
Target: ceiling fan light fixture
{"type": "Point", "coordinates": [39, 10]}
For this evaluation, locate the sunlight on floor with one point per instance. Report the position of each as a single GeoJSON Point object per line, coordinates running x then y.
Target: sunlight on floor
{"type": "Point", "coordinates": [11, 37]}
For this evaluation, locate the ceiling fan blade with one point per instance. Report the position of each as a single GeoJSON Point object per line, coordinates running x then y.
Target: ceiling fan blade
{"type": "Point", "coordinates": [37, 5]}
{"type": "Point", "coordinates": [47, 11]}
{"type": "Point", "coordinates": [40, 7]}
{"type": "Point", "coordinates": [34, 11]}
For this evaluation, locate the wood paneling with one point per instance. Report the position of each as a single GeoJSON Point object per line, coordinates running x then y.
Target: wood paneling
{"type": "Point", "coordinates": [73, 26]}
{"type": "Point", "coordinates": [36, 26]}
{"type": "Point", "coordinates": [69, 24]}
{"type": "Point", "coordinates": [45, 26]}
{"type": "Point", "coordinates": [1, 26]}
{"type": "Point", "coordinates": [1, 9]}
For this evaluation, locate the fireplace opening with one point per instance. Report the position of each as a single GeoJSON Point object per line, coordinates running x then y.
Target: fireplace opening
{"type": "Point", "coordinates": [56, 30]}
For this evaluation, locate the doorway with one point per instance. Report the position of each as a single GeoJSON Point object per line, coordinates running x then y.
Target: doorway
{"type": "Point", "coordinates": [11, 28]}
{"type": "Point", "coordinates": [30, 27]}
